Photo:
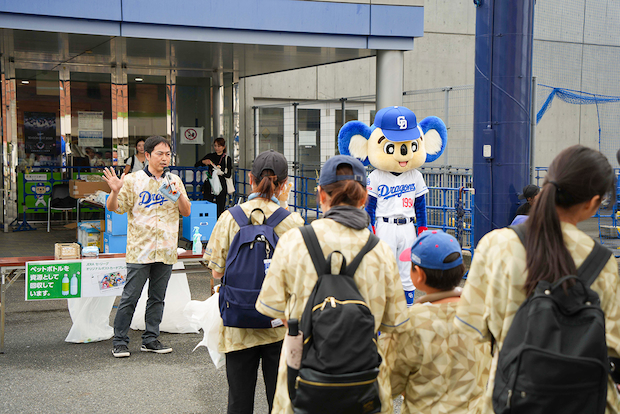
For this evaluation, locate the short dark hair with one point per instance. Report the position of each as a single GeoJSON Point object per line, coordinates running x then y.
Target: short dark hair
{"type": "Point", "coordinates": [153, 141]}
{"type": "Point", "coordinates": [139, 140]}
{"type": "Point", "coordinates": [445, 279]}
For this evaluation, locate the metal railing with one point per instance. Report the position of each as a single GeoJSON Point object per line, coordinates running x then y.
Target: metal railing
{"type": "Point", "coordinates": [448, 208]}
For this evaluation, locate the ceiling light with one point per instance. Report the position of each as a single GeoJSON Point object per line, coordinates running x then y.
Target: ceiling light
{"type": "Point", "coordinates": [25, 82]}
{"type": "Point", "coordinates": [138, 79]}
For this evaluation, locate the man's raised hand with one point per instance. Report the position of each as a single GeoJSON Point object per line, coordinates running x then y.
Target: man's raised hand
{"type": "Point", "coordinates": [110, 177]}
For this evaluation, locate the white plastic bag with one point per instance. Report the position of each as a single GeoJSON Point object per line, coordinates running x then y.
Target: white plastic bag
{"type": "Point", "coordinates": [91, 319]}
{"type": "Point", "coordinates": [230, 186]}
{"type": "Point", "coordinates": [207, 314]}
{"type": "Point", "coordinates": [177, 296]}
{"type": "Point", "coordinates": [216, 186]}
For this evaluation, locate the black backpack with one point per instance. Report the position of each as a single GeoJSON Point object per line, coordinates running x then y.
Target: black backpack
{"type": "Point", "coordinates": [245, 269]}
{"type": "Point", "coordinates": [554, 358]}
{"type": "Point", "coordinates": [340, 361]}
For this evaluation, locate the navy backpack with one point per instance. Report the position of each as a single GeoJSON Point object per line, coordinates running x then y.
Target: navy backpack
{"type": "Point", "coordinates": [245, 269]}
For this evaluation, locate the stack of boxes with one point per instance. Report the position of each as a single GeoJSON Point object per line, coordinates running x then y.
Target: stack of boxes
{"type": "Point", "coordinates": [89, 233]}
{"type": "Point", "coordinates": [115, 236]}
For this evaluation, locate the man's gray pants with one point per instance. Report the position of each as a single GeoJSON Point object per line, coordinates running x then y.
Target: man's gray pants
{"type": "Point", "coordinates": [158, 275]}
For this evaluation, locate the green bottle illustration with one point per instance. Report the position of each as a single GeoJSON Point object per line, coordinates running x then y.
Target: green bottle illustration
{"type": "Point", "coordinates": [74, 285]}
{"type": "Point", "coordinates": [65, 285]}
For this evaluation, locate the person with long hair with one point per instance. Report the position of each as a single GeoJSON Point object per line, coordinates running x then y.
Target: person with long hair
{"type": "Point", "coordinates": [344, 227]}
{"type": "Point", "coordinates": [220, 164]}
{"type": "Point", "coordinates": [246, 347]}
{"type": "Point", "coordinates": [137, 161]}
{"type": "Point", "coordinates": [504, 272]}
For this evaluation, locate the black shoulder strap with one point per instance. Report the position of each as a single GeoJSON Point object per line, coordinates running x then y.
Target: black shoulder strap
{"type": "Point", "coordinates": [590, 268]}
{"type": "Point", "coordinates": [314, 248]}
{"type": "Point", "coordinates": [370, 244]}
{"type": "Point", "coordinates": [316, 254]}
{"type": "Point", "coordinates": [594, 263]}
{"type": "Point", "coordinates": [520, 230]}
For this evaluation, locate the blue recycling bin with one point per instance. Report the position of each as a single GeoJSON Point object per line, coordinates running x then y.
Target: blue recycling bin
{"type": "Point", "coordinates": [203, 216]}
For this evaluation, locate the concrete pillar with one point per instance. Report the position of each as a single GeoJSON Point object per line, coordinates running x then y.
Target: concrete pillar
{"type": "Point", "coordinates": [390, 72]}
{"type": "Point", "coordinates": [218, 104]}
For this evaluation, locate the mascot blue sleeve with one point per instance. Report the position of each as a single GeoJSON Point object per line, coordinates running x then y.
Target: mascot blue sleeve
{"type": "Point", "coordinates": [420, 211]}
{"type": "Point", "coordinates": [371, 207]}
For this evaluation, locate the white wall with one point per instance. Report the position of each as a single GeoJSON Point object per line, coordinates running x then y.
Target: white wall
{"type": "Point", "coordinates": [445, 56]}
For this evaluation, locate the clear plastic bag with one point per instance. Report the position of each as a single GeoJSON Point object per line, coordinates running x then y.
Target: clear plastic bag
{"type": "Point", "coordinates": [207, 314]}
{"type": "Point", "coordinates": [91, 319]}
{"type": "Point", "coordinates": [216, 185]}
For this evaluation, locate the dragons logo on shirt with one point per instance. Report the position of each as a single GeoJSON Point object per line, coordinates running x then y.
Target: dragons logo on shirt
{"type": "Point", "coordinates": [395, 191]}
{"type": "Point", "coordinates": [149, 200]}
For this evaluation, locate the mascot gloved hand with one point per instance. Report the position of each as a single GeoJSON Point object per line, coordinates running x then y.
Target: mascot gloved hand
{"type": "Point", "coordinates": [396, 145]}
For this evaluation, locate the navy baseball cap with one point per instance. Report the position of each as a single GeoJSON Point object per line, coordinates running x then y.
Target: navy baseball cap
{"type": "Point", "coordinates": [430, 250]}
{"type": "Point", "coordinates": [329, 169]}
{"type": "Point", "coordinates": [270, 160]}
{"type": "Point", "coordinates": [398, 124]}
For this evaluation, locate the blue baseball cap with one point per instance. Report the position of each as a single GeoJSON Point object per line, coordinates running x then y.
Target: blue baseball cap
{"type": "Point", "coordinates": [328, 171]}
{"type": "Point", "coordinates": [430, 250]}
{"type": "Point", "coordinates": [398, 124]}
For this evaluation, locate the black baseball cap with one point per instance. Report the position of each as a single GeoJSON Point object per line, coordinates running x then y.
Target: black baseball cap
{"type": "Point", "coordinates": [529, 191]}
{"type": "Point", "coordinates": [329, 170]}
{"type": "Point", "coordinates": [270, 160]}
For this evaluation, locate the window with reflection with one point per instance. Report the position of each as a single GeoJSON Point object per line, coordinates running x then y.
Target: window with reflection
{"type": "Point", "coordinates": [38, 118]}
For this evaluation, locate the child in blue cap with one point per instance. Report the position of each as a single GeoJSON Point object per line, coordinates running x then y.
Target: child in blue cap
{"type": "Point", "coordinates": [433, 365]}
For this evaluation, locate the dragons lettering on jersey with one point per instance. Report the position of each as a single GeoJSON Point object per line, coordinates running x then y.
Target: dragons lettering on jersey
{"type": "Point", "coordinates": [395, 191]}
{"type": "Point", "coordinates": [148, 200]}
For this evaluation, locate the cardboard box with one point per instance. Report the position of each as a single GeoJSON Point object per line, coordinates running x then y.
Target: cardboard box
{"type": "Point", "coordinates": [66, 251]}
{"type": "Point", "coordinates": [114, 244]}
{"type": "Point", "coordinates": [80, 189]}
{"type": "Point", "coordinates": [90, 234]}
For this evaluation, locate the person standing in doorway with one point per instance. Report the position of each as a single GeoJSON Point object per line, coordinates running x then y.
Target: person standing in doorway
{"type": "Point", "coordinates": [152, 240]}
{"type": "Point", "coordinates": [137, 161]}
{"type": "Point", "coordinates": [220, 164]}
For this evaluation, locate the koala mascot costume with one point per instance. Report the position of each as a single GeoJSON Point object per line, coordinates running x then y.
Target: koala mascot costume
{"type": "Point", "coordinates": [396, 145]}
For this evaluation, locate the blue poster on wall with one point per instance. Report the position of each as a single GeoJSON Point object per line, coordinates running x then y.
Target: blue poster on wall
{"type": "Point", "coordinates": [40, 132]}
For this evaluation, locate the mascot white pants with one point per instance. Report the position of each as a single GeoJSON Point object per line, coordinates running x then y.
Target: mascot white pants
{"type": "Point", "coordinates": [399, 237]}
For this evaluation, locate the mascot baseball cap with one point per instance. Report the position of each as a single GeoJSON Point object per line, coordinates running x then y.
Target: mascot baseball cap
{"type": "Point", "coordinates": [398, 123]}
{"type": "Point", "coordinates": [431, 249]}
{"type": "Point", "coordinates": [329, 169]}
{"type": "Point", "coordinates": [270, 160]}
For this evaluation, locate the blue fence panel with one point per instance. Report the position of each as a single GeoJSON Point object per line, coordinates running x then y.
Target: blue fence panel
{"type": "Point", "coordinates": [449, 207]}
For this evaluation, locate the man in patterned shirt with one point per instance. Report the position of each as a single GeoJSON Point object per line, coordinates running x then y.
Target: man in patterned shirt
{"type": "Point", "coordinates": [152, 239]}
{"type": "Point", "coordinates": [438, 368]}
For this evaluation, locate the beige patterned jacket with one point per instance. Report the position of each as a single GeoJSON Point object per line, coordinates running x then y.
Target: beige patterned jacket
{"type": "Point", "coordinates": [439, 369]}
{"type": "Point", "coordinates": [235, 339]}
{"type": "Point", "coordinates": [152, 220]}
{"type": "Point", "coordinates": [494, 292]}
{"type": "Point", "coordinates": [292, 277]}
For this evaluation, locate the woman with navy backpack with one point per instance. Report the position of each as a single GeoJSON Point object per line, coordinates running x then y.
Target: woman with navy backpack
{"type": "Point", "coordinates": [244, 343]}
